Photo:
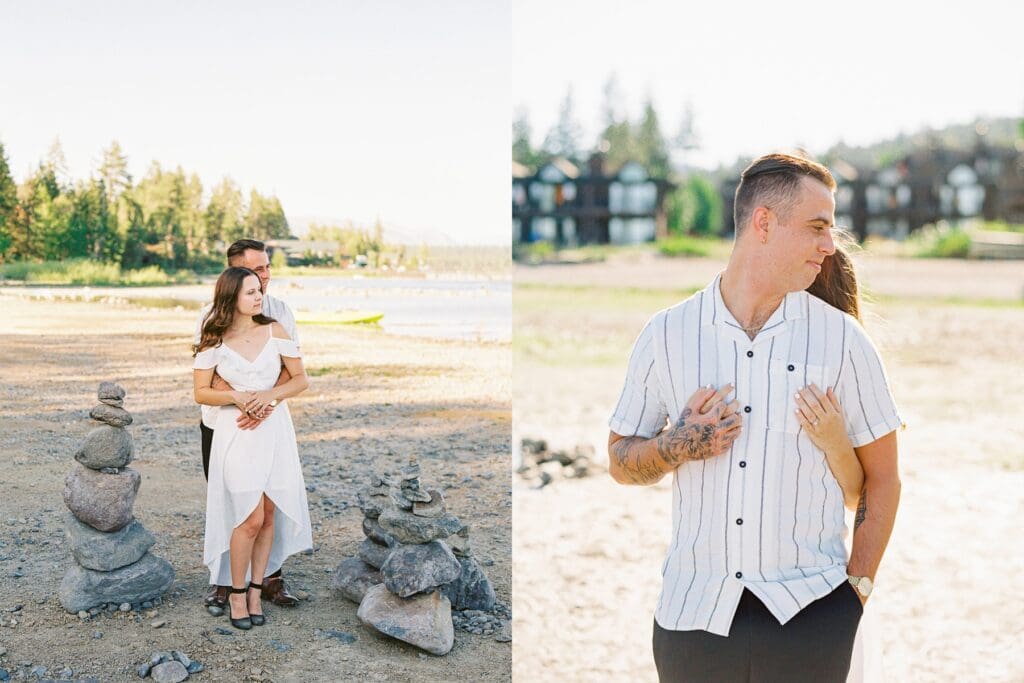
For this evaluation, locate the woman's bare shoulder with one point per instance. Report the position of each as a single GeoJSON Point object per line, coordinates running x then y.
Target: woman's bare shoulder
{"type": "Point", "coordinates": [278, 332]}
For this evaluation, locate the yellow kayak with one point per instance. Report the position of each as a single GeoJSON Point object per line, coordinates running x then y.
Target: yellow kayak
{"type": "Point", "coordinates": [336, 318]}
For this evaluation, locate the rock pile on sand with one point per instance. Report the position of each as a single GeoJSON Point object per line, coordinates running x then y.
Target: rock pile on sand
{"type": "Point", "coordinates": [541, 466]}
{"type": "Point", "coordinates": [415, 564]}
{"type": "Point", "coordinates": [110, 547]}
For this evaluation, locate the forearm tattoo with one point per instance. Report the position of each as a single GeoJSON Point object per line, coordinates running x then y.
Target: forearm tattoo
{"type": "Point", "coordinates": [862, 510]}
{"type": "Point", "coordinates": [634, 467]}
{"type": "Point", "coordinates": [690, 438]}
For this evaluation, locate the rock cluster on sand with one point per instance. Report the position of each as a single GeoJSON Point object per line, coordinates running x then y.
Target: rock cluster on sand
{"type": "Point", "coordinates": [541, 466]}
{"type": "Point", "coordinates": [110, 548]}
{"type": "Point", "coordinates": [415, 564]}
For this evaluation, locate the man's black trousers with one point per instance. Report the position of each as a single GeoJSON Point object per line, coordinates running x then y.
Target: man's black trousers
{"type": "Point", "coordinates": [815, 645]}
{"type": "Point", "coordinates": [207, 443]}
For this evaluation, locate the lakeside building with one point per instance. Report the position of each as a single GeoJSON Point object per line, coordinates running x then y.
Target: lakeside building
{"type": "Point", "coordinates": [931, 183]}
{"type": "Point", "coordinates": [571, 206]}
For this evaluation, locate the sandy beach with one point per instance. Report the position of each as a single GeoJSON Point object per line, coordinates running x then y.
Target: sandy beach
{"type": "Point", "coordinates": [375, 399]}
{"type": "Point", "coordinates": [588, 551]}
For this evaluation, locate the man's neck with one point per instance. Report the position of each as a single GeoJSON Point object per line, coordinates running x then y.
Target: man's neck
{"type": "Point", "coordinates": [749, 296]}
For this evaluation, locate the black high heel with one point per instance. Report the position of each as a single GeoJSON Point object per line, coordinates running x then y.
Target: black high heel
{"type": "Point", "coordinates": [256, 619]}
{"type": "Point", "coordinates": [245, 623]}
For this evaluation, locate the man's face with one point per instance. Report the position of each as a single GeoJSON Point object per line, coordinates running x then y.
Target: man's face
{"type": "Point", "coordinates": [259, 263]}
{"type": "Point", "coordinates": [803, 235]}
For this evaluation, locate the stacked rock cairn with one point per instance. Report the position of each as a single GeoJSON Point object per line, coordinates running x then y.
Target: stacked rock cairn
{"type": "Point", "coordinates": [110, 547]}
{"type": "Point", "coordinates": [415, 564]}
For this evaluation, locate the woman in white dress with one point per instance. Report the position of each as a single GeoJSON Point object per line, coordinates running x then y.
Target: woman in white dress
{"type": "Point", "coordinates": [821, 417]}
{"type": "Point", "coordinates": [256, 509]}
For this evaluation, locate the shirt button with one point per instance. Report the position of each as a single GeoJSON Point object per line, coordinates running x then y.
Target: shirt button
{"type": "Point", "coordinates": [743, 463]}
{"type": "Point", "coordinates": [739, 521]}
{"type": "Point", "coordinates": [746, 409]}
{"type": "Point", "coordinates": [750, 354]}
{"type": "Point", "coordinates": [790, 368]}
{"type": "Point", "coordinates": [739, 575]}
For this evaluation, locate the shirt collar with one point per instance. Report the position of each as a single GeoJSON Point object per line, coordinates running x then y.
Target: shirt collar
{"type": "Point", "coordinates": [714, 312]}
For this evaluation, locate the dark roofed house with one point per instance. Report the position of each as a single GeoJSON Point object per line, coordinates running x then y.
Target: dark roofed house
{"type": "Point", "coordinates": [299, 252]}
{"type": "Point", "coordinates": [569, 206]}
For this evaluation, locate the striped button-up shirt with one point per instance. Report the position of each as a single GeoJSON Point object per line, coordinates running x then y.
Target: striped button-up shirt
{"type": "Point", "coordinates": [766, 515]}
{"type": "Point", "coordinates": [273, 308]}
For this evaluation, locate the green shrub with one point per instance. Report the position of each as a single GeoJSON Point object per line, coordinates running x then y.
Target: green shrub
{"type": "Point", "coordinates": [533, 252]}
{"type": "Point", "coordinates": [684, 245]}
{"type": "Point", "coordinates": [92, 273]}
{"type": "Point", "coordinates": [942, 241]}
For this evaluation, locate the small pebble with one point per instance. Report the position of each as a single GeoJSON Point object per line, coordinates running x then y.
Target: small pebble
{"type": "Point", "coordinates": [83, 615]}
{"type": "Point", "coordinates": [158, 623]}
{"type": "Point", "coordinates": [97, 635]}
{"type": "Point", "coordinates": [125, 607]}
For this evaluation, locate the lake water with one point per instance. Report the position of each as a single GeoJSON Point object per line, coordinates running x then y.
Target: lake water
{"type": "Point", "coordinates": [436, 308]}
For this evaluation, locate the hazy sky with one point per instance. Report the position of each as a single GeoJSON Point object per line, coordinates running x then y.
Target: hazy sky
{"type": "Point", "coordinates": [343, 109]}
{"type": "Point", "coordinates": [762, 76]}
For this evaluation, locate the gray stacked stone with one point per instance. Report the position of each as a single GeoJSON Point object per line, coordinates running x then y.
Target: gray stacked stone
{"type": "Point", "coordinates": [415, 564]}
{"type": "Point", "coordinates": [112, 562]}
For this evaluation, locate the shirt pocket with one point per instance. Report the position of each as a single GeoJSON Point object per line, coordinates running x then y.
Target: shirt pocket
{"type": "Point", "coordinates": [789, 377]}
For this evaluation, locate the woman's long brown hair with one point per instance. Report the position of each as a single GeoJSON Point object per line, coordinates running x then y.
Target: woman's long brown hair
{"type": "Point", "coordinates": [836, 284]}
{"type": "Point", "coordinates": [225, 303]}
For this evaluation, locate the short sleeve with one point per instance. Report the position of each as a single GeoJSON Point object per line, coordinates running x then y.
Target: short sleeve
{"type": "Point", "coordinates": [287, 347]}
{"type": "Point", "coordinates": [640, 410]}
{"type": "Point", "coordinates": [288, 323]}
{"type": "Point", "coordinates": [206, 359]}
{"type": "Point", "coordinates": [863, 389]}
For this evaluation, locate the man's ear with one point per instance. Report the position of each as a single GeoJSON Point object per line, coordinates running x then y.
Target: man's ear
{"type": "Point", "coordinates": [760, 221]}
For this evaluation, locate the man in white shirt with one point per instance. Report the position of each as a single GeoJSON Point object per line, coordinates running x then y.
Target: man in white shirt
{"type": "Point", "coordinates": [251, 254]}
{"type": "Point", "coordinates": [756, 583]}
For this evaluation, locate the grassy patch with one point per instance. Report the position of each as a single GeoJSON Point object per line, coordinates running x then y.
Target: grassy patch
{"type": "Point", "coordinates": [684, 245]}
{"type": "Point", "coordinates": [92, 273]}
{"type": "Point", "coordinates": [393, 370]}
{"type": "Point", "coordinates": [572, 326]}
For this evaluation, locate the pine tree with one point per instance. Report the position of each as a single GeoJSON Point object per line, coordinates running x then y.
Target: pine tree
{"type": "Point", "coordinates": [651, 146]}
{"type": "Point", "coordinates": [563, 140]}
{"type": "Point", "coordinates": [8, 204]}
{"type": "Point", "coordinates": [522, 149]}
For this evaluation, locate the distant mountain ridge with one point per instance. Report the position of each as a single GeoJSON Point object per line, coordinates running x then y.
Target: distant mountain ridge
{"type": "Point", "coordinates": [995, 132]}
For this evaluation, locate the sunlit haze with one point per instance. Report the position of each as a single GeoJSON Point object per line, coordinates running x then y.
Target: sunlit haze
{"type": "Point", "coordinates": [344, 110]}
{"type": "Point", "coordinates": [763, 76]}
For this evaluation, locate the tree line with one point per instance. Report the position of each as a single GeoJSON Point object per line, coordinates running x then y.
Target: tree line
{"type": "Point", "coordinates": [693, 208]}
{"type": "Point", "coordinates": [163, 219]}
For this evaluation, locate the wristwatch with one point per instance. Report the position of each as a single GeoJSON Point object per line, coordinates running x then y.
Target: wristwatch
{"type": "Point", "coordinates": [863, 584]}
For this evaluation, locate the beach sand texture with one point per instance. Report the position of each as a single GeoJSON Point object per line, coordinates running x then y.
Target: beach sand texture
{"type": "Point", "coordinates": [375, 399]}
{"type": "Point", "coordinates": [588, 552]}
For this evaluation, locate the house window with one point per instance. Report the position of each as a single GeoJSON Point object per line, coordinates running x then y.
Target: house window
{"type": "Point", "coordinates": [542, 229]}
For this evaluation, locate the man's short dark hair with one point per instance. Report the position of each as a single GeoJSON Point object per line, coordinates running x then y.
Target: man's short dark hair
{"type": "Point", "coordinates": [239, 247]}
{"type": "Point", "coordinates": [774, 181]}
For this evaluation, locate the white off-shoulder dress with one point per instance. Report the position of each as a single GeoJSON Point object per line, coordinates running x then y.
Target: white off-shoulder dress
{"type": "Point", "coordinates": [247, 464]}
